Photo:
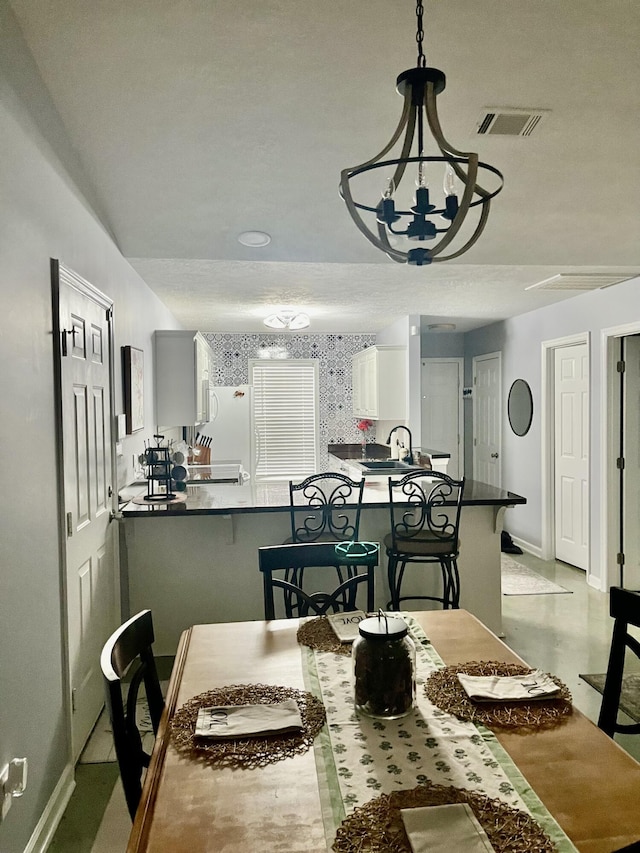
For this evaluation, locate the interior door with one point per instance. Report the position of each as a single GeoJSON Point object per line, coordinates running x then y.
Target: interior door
{"type": "Point", "coordinates": [571, 454]}
{"type": "Point", "coordinates": [487, 419]}
{"type": "Point", "coordinates": [630, 452]}
{"type": "Point", "coordinates": [441, 381]}
{"type": "Point", "coordinates": [83, 359]}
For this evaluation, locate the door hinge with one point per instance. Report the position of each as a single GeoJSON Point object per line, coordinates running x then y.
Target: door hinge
{"type": "Point", "coordinates": [109, 313]}
{"type": "Point", "coordinates": [73, 699]}
{"type": "Point", "coordinates": [620, 463]}
{"type": "Point", "coordinates": [620, 559]}
{"type": "Point", "coordinates": [620, 367]}
{"type": "Point", "coordinates": [69, 524]}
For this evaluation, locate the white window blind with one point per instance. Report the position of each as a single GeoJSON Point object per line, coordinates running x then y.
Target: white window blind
{"type": "Point", "coordinates": [285, 409]}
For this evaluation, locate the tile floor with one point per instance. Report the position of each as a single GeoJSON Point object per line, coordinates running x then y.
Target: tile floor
{"type": "Point", "coordinates": [564, 634]}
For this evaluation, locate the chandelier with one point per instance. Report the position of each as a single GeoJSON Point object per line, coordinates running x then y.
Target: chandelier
{"type": "Point", "coordinates": [394, 217]}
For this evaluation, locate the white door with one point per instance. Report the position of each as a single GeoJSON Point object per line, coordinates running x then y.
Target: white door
{"type": "Point", "coordinates": [91, 597]}
{"type": "Point", "coordinates": [630, 452]}
{"type": "Point", "coordinates": [442, 415]}
{"type": "Point", "coordinates": [571, 454]}
{"type": "Point", "coordinates": [487, 419]}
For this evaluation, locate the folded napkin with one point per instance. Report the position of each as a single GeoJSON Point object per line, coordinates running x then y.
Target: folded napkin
{"type": "Point", "coordinates": [445, 829]}
{"type": "Point", "coordinates": [232, 721]}
{"type": "Point", "coordinates": [509, 688]}
{"type": "Point", "coordinates": [345, 625]}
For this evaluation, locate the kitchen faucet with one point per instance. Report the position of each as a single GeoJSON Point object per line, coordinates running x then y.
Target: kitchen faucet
{"type": "Point", "coordinates": [409, 455]}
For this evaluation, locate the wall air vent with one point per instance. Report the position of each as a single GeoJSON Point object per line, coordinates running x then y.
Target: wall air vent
{"type": "Point", "coordinates": [509, 121]}
{"type": "Point", "coordinates": [581, 281]}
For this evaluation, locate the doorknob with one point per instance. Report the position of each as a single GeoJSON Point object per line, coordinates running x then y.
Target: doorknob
{"type": "Point", "coordinates": [494, 455]}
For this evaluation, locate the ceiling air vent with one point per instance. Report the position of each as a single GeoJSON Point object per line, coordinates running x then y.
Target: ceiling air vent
{"type": "Point", "coordinates": [581, 281]}
{"type": "Point", "coordinates": [509, 121]}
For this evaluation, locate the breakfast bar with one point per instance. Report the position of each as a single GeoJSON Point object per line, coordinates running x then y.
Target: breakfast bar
{"type": "Point", "coordinates": [196, 560]}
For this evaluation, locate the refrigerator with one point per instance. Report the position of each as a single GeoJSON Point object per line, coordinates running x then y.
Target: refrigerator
{"type": "Point", "coordinates": [231, 427]}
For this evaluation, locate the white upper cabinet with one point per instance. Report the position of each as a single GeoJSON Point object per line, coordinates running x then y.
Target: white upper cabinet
{"type": "Point", "coordinates": [380, 383]}
{"type": "Point", "coordinates": [184, 370]}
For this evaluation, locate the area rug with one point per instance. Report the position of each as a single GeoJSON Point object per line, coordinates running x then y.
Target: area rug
{"type": "Point", "coordinates": [521, 580]}
{"type": "Point", "coordinates": [630, 696]}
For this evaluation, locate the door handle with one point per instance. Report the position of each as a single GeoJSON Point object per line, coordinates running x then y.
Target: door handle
{"type": "Point", "coordinates": [494, 455]}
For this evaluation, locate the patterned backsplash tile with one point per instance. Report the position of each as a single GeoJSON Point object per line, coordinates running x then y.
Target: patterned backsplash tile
{"type": "Point", "coordinates": [334, 352]}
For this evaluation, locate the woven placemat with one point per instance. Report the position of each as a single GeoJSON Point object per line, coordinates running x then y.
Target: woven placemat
{"type": "Point", "coordinates": [376, 827]}
{"type": "Point", "coordinates": [444, 690]}
{"type": "Point", "coordinates": [246, 752]}
{"type": "Point", "coordinates": [318, 634]}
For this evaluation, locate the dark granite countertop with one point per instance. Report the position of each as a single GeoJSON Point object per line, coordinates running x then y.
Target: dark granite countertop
{"type": "Point", "coordinates": [375, 451]}
{"type": "Point", "coordinates": [226, 499]}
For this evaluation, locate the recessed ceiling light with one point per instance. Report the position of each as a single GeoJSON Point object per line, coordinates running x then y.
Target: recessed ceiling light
{"type": "Point", "coordinates": [442, 327]}
{"type": "Point", "coordinates": [254, 239]}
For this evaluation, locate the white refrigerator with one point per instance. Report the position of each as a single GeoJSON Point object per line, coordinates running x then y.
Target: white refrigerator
{"type": "Point", "coordinates": [231, 427]}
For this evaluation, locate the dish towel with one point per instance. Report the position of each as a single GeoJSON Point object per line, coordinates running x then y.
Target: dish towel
{"type": "Point", "coordinates": [509, 688]}
{"type": "Point", "coordinates": [235, 721]}
{"type": "Point", "coordinates": [444, 829]}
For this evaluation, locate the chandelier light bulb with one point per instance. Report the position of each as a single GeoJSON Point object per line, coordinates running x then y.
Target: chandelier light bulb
{"type": "Point", "coordinates": [389, 189]}
{"type": "Point", "coordinates": [449, 183]}
{"type": "Point", "coordinates": [422, 179]}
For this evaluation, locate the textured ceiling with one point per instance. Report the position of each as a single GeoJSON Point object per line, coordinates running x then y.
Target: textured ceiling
{"type": "Point", "coordinates": [199, 119]}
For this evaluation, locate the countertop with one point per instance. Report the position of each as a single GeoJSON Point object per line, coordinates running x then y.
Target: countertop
{"type": "Point", "coordinates": [252, 497]}
{"type": "Point", "coordinates": [375, 451]}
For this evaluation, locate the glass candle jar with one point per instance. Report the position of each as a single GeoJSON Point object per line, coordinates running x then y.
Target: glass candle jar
{"type": "Point", "coordinates": [384, 665]}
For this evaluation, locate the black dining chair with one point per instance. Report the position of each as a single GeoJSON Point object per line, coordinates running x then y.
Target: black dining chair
{"type": "Point", "coordinates": [281, 565]}
{"type": "Point", "coordinates": [424, 511]}
{"type": "Point", "coordinates": [624, 607]}
{"type": "Point", "coordinates": [127, 663]}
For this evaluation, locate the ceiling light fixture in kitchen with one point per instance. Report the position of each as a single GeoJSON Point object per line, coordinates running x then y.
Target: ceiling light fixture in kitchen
{"type": "Point", "coordinates": [286, 319]}
{"type": "Point", "coordinates": [397, 213]}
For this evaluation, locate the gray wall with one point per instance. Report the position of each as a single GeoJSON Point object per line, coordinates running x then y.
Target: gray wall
{"type": "Point", "coordinates": [520, 339]}
{"type": "Point", "coordinates": [45, 212]}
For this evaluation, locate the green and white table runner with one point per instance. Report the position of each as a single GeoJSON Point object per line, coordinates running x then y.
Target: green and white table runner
{"type": "Point", "coordinates": [358, 758]}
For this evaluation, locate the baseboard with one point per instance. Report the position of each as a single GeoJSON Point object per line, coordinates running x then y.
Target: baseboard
{"type": "Point", "coordinates": [52, 815]}
{"type": "Point", "coordinates": [535, 550]}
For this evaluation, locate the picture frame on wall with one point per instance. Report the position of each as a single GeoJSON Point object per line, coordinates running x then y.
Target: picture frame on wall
{"type": "Point", "coordinates": [133, 370]}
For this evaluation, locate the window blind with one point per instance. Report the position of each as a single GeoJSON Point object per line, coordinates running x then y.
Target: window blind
{"type": "Point", "coordinates": [285, 410]}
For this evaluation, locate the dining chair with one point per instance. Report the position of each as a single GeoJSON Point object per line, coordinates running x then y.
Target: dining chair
{"type": "Point", "coordinates": [624, 607]}
{"type": "Point", "coordinates": [424, 511]}
{"type": "Point", "coordinates": [131, 642]}
{"type": "Point", "coordinates": [280, 563]}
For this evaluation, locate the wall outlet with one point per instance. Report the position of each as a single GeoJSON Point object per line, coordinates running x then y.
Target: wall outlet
{"type": "Point", "coordinates": [5, 793]}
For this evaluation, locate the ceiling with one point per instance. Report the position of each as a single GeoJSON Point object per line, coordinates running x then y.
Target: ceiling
{"type": "Point", "coordinates": [196, 120]}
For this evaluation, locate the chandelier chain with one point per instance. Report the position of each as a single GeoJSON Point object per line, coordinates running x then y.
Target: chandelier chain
{"type": "Point", "coordinates": [422, 61]}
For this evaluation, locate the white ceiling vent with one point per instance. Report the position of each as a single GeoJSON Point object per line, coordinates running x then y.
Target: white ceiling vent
{"type": "Point", "coordinates": [509, 121]}
{"type": "Point", "coordinates": [581, 281]}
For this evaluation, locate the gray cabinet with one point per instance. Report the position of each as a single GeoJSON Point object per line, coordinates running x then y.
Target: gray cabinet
{"type": "Point", "coordinates": [184, 370]}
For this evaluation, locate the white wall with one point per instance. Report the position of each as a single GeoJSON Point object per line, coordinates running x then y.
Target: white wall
{"type": "Point", "coordinates": [44, 213]}
{"type": "Point", "coordinates": [520, 339]}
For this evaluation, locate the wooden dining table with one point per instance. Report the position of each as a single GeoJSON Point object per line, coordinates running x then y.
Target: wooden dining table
{"type": "Point", "coordinates": [584, 779]}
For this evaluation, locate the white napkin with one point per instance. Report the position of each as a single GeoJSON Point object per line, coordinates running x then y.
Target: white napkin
{"type": "Point", "coordinates": [509, 688]}
{"type": "Point", "coordinates": [231, 721]}
{"type": "Point", "coordinates": [345, 625]}
{"type": "Point", "coordinates": [445, 829]}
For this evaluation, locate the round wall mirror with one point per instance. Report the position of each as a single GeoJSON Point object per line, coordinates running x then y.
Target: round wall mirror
{"type": "Point", "coordinates": [520, 407]}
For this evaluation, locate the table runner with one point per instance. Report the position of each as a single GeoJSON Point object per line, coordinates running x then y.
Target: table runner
{"type": "Point", "coordinates": [358, 758]}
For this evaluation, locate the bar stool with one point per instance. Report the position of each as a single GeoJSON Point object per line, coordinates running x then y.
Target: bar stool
{"type": "Point", "coordinates": [624, 607]}
{"type": "Point", "coordinates": [425, 521]}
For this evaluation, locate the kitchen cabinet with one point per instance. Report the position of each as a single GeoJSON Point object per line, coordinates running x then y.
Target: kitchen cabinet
{"type": "Point", "coordinates": [380, 383]}
{"type": "Point", "coordinates": [184, 370]}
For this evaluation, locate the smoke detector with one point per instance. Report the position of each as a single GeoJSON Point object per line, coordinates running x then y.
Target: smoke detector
{"type": "Point", "coordinates": [581, 281]}
{"type": "Point", "coordinates": [509, 121]}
